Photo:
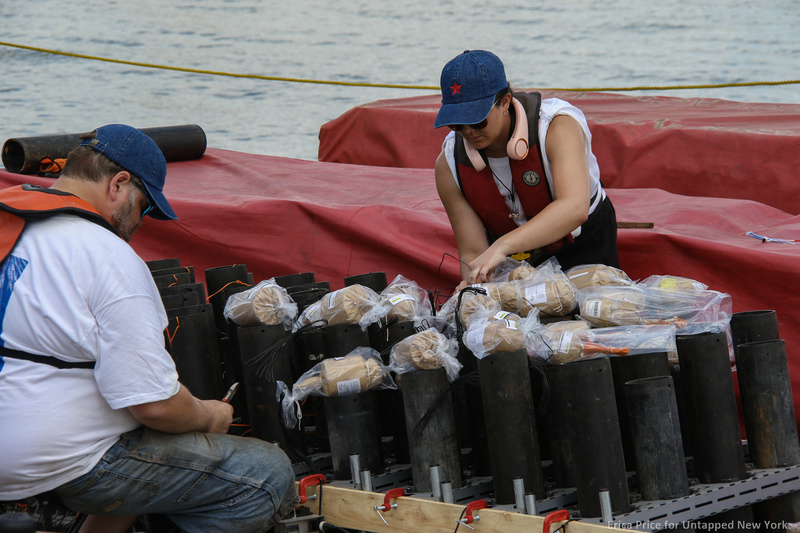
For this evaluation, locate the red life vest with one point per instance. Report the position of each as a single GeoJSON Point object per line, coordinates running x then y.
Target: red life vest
{"type": "Point", "coordinates": [528, 177]}
{"type": "Point", "coordinates": [28, 202]}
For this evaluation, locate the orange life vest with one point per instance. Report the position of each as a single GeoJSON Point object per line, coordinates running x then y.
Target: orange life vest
{"type": "Point", "coordinates": [22, 203]}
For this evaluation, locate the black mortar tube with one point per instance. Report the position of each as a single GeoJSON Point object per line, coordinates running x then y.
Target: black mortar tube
{"type": "Point", "coordinates": [753, 326]}
{"type": "Point", "coordinates": [711, 405]}
{"type": "Point", "coordinates": [557, 419]}
{"type": "Point", "coordinates": [23, 154]}
{"type": "Point", "coordinates": [510, 424]}
{"type": "Point", "coordinates": [436, 443]}
{"type": "Point", "coordinates": [626, 369]}
{"type": "Point", "coordinates": [656, 432]}
{"type": "Point", "coordinates": [353, 429]}
{"type": "Point", "coordinates": [594, 432]}
{"type": "Point", "coordinates": [260, 377]}
{"type": "Point", "coordinates": [769, 419]}
{"type": "Point", "coordinates": [194, 349]}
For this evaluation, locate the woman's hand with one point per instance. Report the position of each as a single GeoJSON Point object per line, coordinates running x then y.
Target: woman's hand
{"type": "Point", "coordinates": [482, 267]}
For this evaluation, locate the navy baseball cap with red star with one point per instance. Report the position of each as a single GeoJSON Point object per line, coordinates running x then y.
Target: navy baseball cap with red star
{"type": "Point", "coordinates": [469, 84]}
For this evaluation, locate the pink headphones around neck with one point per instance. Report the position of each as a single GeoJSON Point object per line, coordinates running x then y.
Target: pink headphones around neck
{"type": "Point", "coordinates": [517, 147]}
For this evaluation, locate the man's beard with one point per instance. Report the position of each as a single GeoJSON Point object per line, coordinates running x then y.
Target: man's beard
{"type": "Point", "coordinates": [123, 222]}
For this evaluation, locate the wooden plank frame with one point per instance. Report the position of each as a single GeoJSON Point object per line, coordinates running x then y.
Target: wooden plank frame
{"type": "Point", "coordinates": [355, 509]}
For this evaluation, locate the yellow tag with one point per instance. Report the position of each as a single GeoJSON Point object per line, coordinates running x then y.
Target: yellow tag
{"type": "Point", "coordinates": [521, 256]}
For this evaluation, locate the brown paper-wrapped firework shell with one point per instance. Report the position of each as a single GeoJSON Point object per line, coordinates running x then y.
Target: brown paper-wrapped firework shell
{"type": "Point", "coordinates": [347, 305]}
{"type": "Point", "coordinates": [597, 275]}
{"type": "Point", "coordinates": [341, 374]}
{"type": "Point", "coordinates": [552, 298]}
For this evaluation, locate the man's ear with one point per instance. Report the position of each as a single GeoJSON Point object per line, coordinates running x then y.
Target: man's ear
{"type": "Point", "coordinates": [117, 184]}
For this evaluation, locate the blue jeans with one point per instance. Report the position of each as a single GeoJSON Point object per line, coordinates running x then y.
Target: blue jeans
{"type": "Point", "coordinates": [203, 482]}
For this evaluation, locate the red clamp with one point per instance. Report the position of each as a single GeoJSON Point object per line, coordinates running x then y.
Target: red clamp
{"type": "Point", "coordinates": [316, 479]}
{"type": "Point", "coordinates": [394, 493]}
{"type": "Point", "coordinates": [555, 516]}
{"type": "Point", "coordinates": [474, 506]}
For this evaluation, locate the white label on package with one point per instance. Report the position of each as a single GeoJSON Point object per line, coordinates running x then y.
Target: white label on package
{"type": "Point", "coordinates": [536, 294]}
{"type": "Point", "coordinates": [474, 336]}
{"type": "Point", "coordinates": [512, 324]}
{"type": "Point", "coordinates": [332, 300]}
{"type": "Point", "coordinates": [593, 308]}
{"type": "Point", "coordinates": [394, 300]}
{"type": "Point", "coordinates": [500, 315]}
{"type": "Point", "coordinates": [348, 386]}
{"type": "Point", "coordinates": [564, 342]}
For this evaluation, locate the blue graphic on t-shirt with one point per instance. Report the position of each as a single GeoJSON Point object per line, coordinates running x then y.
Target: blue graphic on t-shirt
{"type": "Point", "coordinates": [10, 272]}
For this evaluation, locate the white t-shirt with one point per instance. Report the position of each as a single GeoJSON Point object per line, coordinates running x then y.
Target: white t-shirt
{"type": "Point", "coordinates": [76, 291]}
{"type": "Point", "coordinates": [550, 108]}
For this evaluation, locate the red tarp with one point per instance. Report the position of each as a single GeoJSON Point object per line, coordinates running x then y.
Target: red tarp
{"type": "Point", "coordinates": [281, 216]}
{"type": "Point", "coordinates": [695, 147]}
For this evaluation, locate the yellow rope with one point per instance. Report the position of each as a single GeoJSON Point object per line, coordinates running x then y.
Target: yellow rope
{"type": "Point", "coordinates": [381, 85]}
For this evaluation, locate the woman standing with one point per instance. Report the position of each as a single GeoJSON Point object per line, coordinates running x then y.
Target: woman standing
{"type": "Point", "coordinates": [517, 174]}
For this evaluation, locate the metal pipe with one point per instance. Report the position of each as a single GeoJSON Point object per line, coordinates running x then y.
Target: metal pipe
{"type": "Point", "coordinates": [22, 155]}
{"type": "Point", "coordinates": [447, 492]}
{"type": "Point", "coordinates": [530, 504]}
{"type": "Point", "coordinates": [355, 470]}
{"type": "Point", "coordinates": [436, 482]}
{"type": "Point", "coordinates": [519, 494]}
{"type": "Point", "coordinates": [605, 505]}
{"type": "Point", "coordinates": [366, 481]}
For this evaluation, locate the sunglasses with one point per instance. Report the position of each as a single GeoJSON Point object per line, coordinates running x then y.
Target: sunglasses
{"type": "Point", "coordinates": [479, 126]}
{"type": "Point", "coordinates": [146, 197]}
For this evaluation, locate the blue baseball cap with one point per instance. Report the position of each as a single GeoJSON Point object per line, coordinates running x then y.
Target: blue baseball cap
{"type": "Point", "coordinates": [140, 155]}
{"type": "Point", "coordinates": [469, 84]}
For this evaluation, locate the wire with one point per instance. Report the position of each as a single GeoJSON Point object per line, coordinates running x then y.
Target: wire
{"type": "Point", "coordinates": [385, 85]}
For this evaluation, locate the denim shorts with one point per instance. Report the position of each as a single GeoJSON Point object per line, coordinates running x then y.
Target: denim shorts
{"type": "Point", "coordinates": [204, 482]}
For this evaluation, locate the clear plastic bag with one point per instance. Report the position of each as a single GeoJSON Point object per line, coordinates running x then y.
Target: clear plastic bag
{"type": "Point", "coordinates": [406, 301]}
{"type": "Point", "coordinates": [359, 371]}
{"type": "Point", "coordinates": [473, 299]}
{"type": "Point", "coordinates": [550, 292]}
{"type": "Point", "coordinates": [513, 270]}
{"type": "Point", "coordinates": [499, 332]}
{"type": "Point", "coordinates": [689, 311]}
{"type": "Point", "coordinates": [355, 304]}
{"type": "Point", "coordinates": [595, 275]}
{"type": "Point", "coordinates": [266, 303]}
{"type": "Point", "coordinates": [671, 283]}
{"type": "Point", "coordinates": [559, 346]}
{"type": "Point", "coordinates": [425, 350]}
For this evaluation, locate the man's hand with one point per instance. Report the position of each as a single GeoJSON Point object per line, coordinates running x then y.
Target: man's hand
{"type": "Point", "coordinates": [221, 416]}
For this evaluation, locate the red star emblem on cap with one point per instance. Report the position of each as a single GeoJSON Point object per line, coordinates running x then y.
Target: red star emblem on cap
{"type": "Point", "coordinates": [456, 88]}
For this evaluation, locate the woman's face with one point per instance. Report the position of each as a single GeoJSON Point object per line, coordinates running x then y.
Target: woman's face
{"type": "Point", "coordinates": [492, 131]}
